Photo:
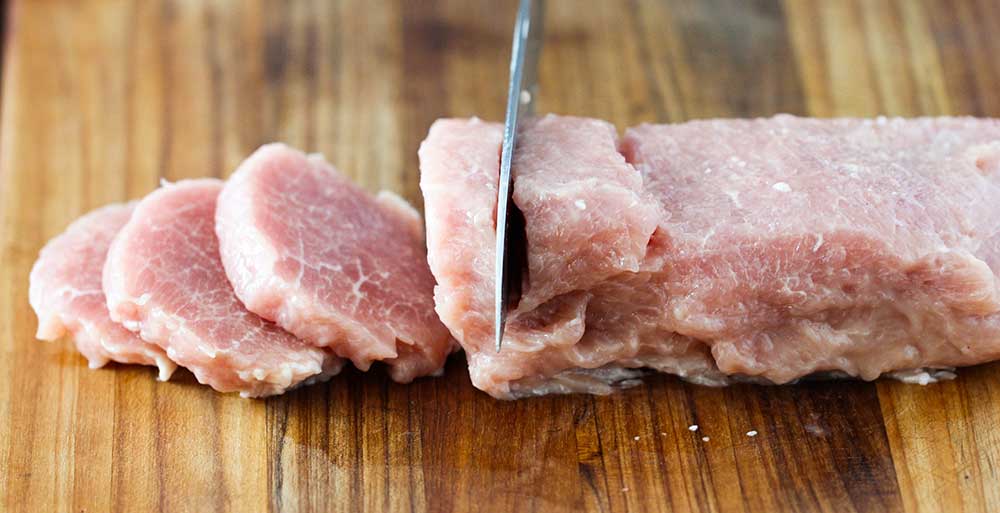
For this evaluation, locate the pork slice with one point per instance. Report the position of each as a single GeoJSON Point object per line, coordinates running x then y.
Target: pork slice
{"type": "Point", "coordinates": [459, 170]}
{"type": "Point", "coordinates": [66, 294]}
{"type": "Point", "coordinates": [764, 249]}
{"type": "Point", "coordinates": [325, 260]}
{"type": "Point", "coordinates": [579, 195]}
{"type": "Point", "coordinates": [163, 278]}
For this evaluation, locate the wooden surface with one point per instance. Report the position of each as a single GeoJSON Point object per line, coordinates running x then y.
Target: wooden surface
{"type": "Point", "coordinates": [101, 99]}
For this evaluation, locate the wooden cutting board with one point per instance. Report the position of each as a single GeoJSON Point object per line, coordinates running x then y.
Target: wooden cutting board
{"type": "Point", "coordinates": [102, 99]}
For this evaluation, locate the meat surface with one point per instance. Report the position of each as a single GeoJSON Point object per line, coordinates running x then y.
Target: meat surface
{"type": "Point", "coordinates": [767, 249]}
{"type": "Point", "coordinates": [325, 260]}
{"type": "Point", "coordinates": [66, 294]}
{"type": "Point", "coordinates": [163, 278]}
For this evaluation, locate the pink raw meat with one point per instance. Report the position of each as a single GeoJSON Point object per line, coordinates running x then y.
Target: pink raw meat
{"type": "Point", "coordinates": [804, 245]}
{"type": "Point", "coordinates": [66, 294]}
{"type": "Point", "coordinates": [163, 278]}
{"type": "Point", "coordinates": [751, 249]}
{"type": "Point", "coordinates": [308, 249]}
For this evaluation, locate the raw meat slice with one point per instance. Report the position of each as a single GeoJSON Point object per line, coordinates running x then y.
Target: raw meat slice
{"type": "Point", "coordinates": [308, 249]}
{"type": "Point", "coordinates": [66, 294]}
{"type": "Point", "coordinates": [779, 248]}
{"type": "Point", "coordinates": [588, 202]}
{"type": "Point", "coordinates": [163, 279]}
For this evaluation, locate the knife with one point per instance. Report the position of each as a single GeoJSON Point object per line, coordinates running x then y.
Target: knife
{"type": "Point", "coordinates": [521, 95]}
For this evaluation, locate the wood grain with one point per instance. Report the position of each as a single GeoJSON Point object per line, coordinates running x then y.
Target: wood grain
{"type": "Point", "coordinates": [101, 99]}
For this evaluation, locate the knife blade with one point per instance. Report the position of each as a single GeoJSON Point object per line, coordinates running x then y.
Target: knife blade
{"type": "Point", "coordinates": [521, 95]}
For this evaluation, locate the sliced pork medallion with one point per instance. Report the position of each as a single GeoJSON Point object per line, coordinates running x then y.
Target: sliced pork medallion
{"type": "Point", "coordinates": [66, 294]}
{"type": "Point", "coordinates": [328, 262]}
{"type": "Point", "coordinates": [163, 278]}
{"type": "Point", "coordinates": [750, 249]}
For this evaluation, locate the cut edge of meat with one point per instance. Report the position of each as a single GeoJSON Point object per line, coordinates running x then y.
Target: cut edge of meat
{"type": "Point", "coordinates": [456, 303]}
{"type": "Point", "coordinates": [596, 177]}
{"type": "Point", "coordinates": [104, 352]}
{"type": "Point", "coordinates": [255, 381]}
{"type": "Point", "coordinates": [97, 350]}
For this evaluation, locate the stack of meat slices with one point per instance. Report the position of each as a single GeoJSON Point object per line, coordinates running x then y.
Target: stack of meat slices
{"type": "Point", "coordinates": [256, 285]}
